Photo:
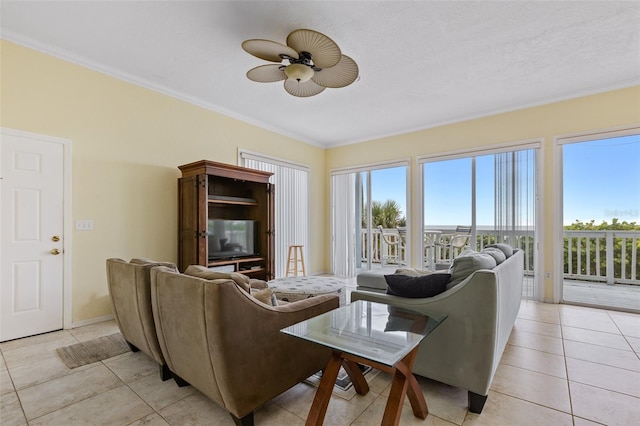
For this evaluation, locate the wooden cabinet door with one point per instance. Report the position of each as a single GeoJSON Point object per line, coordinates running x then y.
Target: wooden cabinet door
{"type": "Point", "coordinates": [270, 266]}
{"type": "Point", "coordinates": [192, 217]}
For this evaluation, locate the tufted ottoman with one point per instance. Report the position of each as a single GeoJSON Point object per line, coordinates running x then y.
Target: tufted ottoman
{"type": "Point", "coordinates": [291, 289]}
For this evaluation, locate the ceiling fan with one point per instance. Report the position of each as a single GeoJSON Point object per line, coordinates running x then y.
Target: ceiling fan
{"type": "Point", "coordinates": [309, 63]}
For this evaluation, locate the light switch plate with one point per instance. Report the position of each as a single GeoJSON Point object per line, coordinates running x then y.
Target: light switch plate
{"type": "Point", "coordinates": [84, 225]}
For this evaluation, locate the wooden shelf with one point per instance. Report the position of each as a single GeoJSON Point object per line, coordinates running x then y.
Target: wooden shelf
{"type": "Point", "coordinates": [251, 271]}
{"type": "Point", "coordinates": [234, 261]}
{"type": "Point", "coordinates": [218, 199]}
{"type": "Point", "coordinates": [243, 265]}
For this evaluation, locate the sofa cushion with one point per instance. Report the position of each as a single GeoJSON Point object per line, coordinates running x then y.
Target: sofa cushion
{"type": "Point", "coordinates": [256, 284]}
{"type": "Point", "coordinates": [506, 248]}
{"type": "Point", "coordinates": [412, 271]}
{"type": "Point", "coordinates": [145, 261]}
{"type": "Point", "coordinates": [417, 286]}
{"type": "Point", "coordinates": [496, 253]}
{"type": "Point", "coordinates": [467, 263]}
{"type": "Point", "coordinates": [265, 296]}
{"type": "Point", "coordinates": [205, 273]}
{"type": "Point", "coordinates": [373, 279]}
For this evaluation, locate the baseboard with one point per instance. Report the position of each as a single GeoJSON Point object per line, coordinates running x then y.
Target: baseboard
{"type": "Point", "coordinates": [91, 321]}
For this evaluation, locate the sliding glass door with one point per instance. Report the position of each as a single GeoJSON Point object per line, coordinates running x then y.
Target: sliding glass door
{"type": "Point", "coordinates": [492, 193]}
{"type": "Point", "coordinates": [601, 220]}
{"type": "Point", "coordinates": [369, 214]}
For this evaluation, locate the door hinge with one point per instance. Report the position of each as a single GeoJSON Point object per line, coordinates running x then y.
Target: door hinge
{"type": "Point", "coordinates": [200, 234]}
{"type": "Point", "coordinates": [200, 181]}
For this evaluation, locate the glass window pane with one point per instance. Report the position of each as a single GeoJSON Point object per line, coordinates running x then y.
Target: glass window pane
{"type": "Point", "coordinates": [447, 193]}
{"type": "Point", "coordinates": [485, 192]}
{"type": "Point", "coordinates": [389, 196]}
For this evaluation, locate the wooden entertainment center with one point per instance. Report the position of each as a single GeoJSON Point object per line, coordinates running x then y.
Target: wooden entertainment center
{"type": "Point", "coordinates": [215, 196]}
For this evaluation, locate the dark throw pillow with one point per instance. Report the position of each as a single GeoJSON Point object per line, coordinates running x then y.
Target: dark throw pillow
{"type": "Point", "coordinates": [417, 286]}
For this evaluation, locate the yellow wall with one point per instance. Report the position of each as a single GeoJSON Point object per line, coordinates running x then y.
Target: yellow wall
{"type": "Point", "coordinates": [602, 111]}
{"type": "Point", "coordinates": [127, 142]}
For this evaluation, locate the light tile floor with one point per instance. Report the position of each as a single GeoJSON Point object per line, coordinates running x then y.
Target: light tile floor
{"type": "Point", "coordinates": [564, 365]}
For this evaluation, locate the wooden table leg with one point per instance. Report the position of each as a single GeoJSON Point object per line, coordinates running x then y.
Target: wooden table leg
{"type": "Point", "coordinates": [393, 410]}
{"type": "Point", "coordinates": [357, 378]}
{"type": "Point", "coordinates": [416, 398]}
{"type": "Point", "coordinates": [323, 394]}
{"type": "Point", "coordinates": [404, 382]}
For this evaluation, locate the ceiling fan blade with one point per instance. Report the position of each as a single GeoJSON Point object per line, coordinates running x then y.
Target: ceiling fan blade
{"type": "Point", "coordinates": [325, 51]}
{"type": "Point", "coordinates": [342, 74]}
{"type": "Point", "coordinates": [266, 74]}
{"type": "Point", "coordinates": [268, 50]}
{"type": "Point", "coordinates": [302, 90]}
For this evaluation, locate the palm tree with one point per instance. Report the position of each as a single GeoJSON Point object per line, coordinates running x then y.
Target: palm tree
{"type": "Point", "coordinates": [387, 214]}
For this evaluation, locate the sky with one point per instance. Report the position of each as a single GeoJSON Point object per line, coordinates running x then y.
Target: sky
{"type": "Point", "coordinates": [601, 181]}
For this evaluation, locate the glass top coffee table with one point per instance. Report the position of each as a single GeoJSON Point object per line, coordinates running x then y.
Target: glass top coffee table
{"type": "Point", "coordinates": [375, 334]}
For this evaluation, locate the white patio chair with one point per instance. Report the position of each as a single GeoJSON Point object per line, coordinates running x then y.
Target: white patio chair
{"type": "Point", "coordinates": [392, 247]}
{"type": "Point", "coordinates": [449, 246]}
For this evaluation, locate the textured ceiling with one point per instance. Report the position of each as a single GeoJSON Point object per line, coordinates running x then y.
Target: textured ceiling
{"type": "Point", "coordinates": [421, 63]}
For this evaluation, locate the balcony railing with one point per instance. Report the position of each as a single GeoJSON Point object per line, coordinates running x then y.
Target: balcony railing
{"type": "Point", "coordinates": [605, 256]}
{"type": "Point", "coordinates": [609, 257]}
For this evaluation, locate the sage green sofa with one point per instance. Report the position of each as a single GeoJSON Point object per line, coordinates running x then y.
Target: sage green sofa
{"type": "Point", "coordinates": [465, 350]}
{"type": "Point", "coordinates": [227, 344]}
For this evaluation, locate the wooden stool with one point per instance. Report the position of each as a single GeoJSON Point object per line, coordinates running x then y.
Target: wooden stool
{"type": "Point", "coordinates": [295, 258]}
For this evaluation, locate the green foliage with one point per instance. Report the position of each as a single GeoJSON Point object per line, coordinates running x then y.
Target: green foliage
{"type": "Point", "coordinates": [596, 247]}
{"type": "Point", "coordinates": [387, 214]}
{"type": "Point", "coordinates": [604, 226]}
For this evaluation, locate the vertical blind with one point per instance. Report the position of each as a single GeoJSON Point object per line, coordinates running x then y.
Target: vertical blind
{"type": "Point", "coordinates": [343, 220]}
{"type": "Point", "coordinates": [515, 205]}
{"type": "Point", "coordinates": [514, 193]}
{"type": "Point", "coordinates": [291, 205]}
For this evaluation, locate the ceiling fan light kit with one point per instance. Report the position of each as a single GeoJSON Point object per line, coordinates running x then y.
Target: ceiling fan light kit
{"type": "Point", "coordinates": [309, 63]}
{"type": "Point", "coordinates": [299, 72]}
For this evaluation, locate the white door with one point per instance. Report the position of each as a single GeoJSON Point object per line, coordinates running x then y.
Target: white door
{"type": "Point", "coordinates": [31, 250]}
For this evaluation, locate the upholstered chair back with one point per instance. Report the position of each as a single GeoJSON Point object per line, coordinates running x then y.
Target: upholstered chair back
{"type": "Point", "coordinates": [130, 293]}
{"type": "Point", "coordinates": [227, 344]}
{"type": "Point", "coordinates": [244, 281]}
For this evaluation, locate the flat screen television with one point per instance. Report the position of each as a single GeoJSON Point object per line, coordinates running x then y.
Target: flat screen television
{"type": "Point", "coordinates": [229, 239]}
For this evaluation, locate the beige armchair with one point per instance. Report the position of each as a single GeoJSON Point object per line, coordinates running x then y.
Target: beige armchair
{"type": "Point", "coordinates": [130, 293]}
{"type": "Point", "coordinates": [228, 345]}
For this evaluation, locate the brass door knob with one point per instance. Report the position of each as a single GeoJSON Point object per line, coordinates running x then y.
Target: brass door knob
{"type": "Point", "coordinates": [55, 252]}
{"type": "Point", "coordinates": [55, 238]}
